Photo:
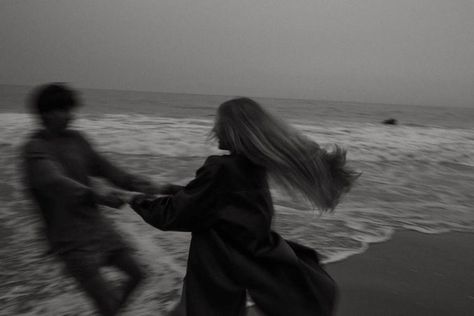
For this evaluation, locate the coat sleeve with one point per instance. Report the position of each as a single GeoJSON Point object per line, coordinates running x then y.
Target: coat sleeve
{"type": "Point", "coordinates": [190, 209]}
{"type": "Point", "coordinates": [45, 174]}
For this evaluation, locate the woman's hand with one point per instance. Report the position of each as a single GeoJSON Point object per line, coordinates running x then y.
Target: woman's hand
{"type": "Point", "coordinates": [129, 196]}
{"type": "Point", "coordinates": [149, 191]}
{"type": "Point", "coordinates": [170, 189]}
{"type": "Point", "coordinates": [113, 199]}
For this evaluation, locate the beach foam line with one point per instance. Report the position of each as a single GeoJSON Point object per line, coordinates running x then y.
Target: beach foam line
{"type": "Point", "coordinates": [344, 254]}
{"type": "Point", "coordinates": [176, 137]}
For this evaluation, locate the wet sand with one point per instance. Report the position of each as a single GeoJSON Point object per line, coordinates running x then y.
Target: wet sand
{"type": "Point", "coordinates": [412, 274]}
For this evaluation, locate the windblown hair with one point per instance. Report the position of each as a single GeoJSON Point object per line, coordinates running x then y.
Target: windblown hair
{"type": "Point", "coordinates": [299, 164]}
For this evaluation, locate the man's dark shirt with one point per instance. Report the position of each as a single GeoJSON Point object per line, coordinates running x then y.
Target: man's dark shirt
{"type": "Point", "coordinates": [57, 171]}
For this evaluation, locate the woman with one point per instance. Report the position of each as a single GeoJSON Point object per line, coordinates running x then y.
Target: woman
{"type": "Point", "coordinates": [229, 210]}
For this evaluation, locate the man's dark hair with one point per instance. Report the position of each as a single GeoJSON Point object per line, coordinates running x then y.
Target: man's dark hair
{"type": "Point", "coordinates": [53, 96]}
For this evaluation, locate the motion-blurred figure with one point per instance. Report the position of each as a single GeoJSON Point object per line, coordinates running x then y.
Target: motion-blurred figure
{"type": "Point", "coordinates": [57, 164]}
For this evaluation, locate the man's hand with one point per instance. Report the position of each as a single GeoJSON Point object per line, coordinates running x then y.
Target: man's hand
{"type": "Point", "coordinates": [145, 186]}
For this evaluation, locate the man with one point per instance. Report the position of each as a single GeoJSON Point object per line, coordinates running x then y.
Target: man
{"type": "Point", "coordinates": [57, 164]}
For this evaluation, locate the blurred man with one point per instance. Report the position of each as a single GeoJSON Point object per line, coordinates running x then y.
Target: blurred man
{"type": "Point", "coordinates": [57, 164]}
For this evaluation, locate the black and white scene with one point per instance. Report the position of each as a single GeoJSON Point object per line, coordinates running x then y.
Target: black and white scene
{"type": "Point", "coordinates": [231, 158]}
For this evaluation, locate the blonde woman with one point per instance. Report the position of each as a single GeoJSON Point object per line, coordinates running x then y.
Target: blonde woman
{"type": "Point", "coordinates": [229, 210]}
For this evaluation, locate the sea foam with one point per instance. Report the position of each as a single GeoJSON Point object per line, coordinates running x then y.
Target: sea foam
{"type": "Point", "coordinates": [404, 184]}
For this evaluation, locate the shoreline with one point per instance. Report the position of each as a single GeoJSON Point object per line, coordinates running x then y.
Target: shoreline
{"type": "Point", "coordinates": [410, 274]}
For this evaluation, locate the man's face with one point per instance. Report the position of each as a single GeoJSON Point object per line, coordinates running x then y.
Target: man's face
{"type": "Point", "coordinates": [57, 121]}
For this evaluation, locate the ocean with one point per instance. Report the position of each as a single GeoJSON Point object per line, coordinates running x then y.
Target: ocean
{"type": "Point", "coordinates": [417, 175]}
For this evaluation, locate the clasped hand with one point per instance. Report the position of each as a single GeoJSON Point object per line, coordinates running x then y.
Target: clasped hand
{"type": "Point", "coordinates": [117, 199]}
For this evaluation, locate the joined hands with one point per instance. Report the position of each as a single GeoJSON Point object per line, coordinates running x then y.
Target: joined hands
{"type": "Point", "coordinates": [117, 199]}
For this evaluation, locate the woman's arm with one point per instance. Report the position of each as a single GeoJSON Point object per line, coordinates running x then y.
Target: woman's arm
{"type": "Point", "coordinates": [190, 208]}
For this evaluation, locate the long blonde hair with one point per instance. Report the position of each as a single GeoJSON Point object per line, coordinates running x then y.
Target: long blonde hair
{"type": "Point", "coordinates": [292, 159]}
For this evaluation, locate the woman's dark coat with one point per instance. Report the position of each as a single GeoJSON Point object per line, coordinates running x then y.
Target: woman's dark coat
{"type": "Point", "coordinates": [229, 210]}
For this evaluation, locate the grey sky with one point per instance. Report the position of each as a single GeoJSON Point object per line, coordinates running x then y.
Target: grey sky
{"type": "Point", "coordinates": [397, 51]}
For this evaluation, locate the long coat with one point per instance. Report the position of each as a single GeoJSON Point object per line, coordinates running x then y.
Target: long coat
{"type": "Point", "coordinates": [229, 210]}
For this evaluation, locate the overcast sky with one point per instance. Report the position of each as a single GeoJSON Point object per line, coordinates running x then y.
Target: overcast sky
{"type": "Point", "coordinates": [388, 51]}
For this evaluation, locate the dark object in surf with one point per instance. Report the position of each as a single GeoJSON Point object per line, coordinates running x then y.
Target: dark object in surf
{"type": "Point", "coordinates": [390, 121]}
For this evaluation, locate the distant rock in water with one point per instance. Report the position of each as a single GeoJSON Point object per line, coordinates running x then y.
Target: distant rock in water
{"type": "Point", "coordinates": [390, 121]}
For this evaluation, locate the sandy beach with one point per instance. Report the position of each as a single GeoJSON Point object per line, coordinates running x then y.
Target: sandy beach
{"type": "Point", "coordinates": [412, 274]}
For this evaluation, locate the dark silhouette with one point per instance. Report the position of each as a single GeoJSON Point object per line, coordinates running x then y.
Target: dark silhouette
{"type": "Point", "coordinates": [229, 210]}
{"type": "Point", "coordinates": [57, 164]}
{"type": "Point", "coordinates": [390, 121]}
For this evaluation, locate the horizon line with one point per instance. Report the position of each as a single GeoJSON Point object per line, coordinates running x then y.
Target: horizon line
{"type": "Point", "coordinates": [253, 96]}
